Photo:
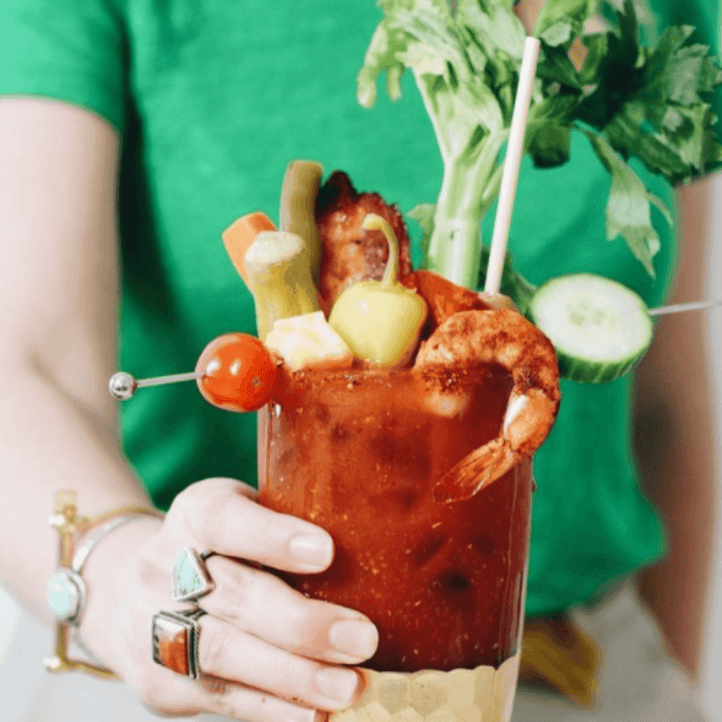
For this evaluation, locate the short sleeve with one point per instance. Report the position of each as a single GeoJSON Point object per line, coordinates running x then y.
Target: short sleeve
{"type": "Point", "coordinates": [69, 50]}
{"type": "Point", "coordinates": [705, 16]}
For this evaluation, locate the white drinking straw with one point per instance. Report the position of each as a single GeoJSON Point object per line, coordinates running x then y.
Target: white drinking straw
{"type": "Point", "coordinates": [510, 175]}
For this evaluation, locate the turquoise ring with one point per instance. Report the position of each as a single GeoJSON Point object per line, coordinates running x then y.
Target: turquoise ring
{"type": "Point", "coordinates": [191, 580]}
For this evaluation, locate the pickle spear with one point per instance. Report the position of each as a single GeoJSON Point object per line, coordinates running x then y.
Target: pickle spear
{"type": "Point", "coordinates": [298, 205]}
{"type": "Point", "coordinates": [279, 274]}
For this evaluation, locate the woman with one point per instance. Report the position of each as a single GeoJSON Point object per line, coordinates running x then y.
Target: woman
{"type": "Point", "coordinates": [174, 119]}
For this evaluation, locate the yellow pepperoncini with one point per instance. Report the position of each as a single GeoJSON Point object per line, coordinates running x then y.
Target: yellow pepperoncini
{"type": "Point", "coordinates": [380, 320]}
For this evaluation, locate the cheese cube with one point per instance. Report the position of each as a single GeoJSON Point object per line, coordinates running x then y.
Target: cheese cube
{"type": "Point", "coordinates": [308, 341]}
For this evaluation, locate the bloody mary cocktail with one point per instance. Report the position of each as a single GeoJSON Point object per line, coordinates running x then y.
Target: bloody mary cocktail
{"type": "Point", "coordinates": [404, 424]}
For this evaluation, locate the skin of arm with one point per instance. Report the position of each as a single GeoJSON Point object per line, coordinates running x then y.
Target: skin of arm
{"type": "Point", "coordinates": [676, 446]}
{"type": "Point", "coordinates": [58, 311]}
{"type": "Point", "coordinates": [271, 653]}
{"type": "Point", "coordinates": [675, 427]}
{"type": "Point", "coordinates": [527, 12]}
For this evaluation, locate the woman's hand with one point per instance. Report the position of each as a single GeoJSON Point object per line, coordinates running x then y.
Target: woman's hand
{"type": "Point", "coordinates": [266, 652]}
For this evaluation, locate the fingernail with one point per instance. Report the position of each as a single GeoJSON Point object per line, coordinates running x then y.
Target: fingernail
{"type": "Point", "coordinates": [299, 714]}
{"type": "Point", "coordinates": [354, 637]}
{"type": "Point", "coordinates": [337, 685]}
{"type": "Point", "coordinates": [312, 549]}
{"type": "Point", "coordinates": [306, 715]}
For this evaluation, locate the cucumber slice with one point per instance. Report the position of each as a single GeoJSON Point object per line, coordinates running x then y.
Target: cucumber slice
{"type": "Point", "coordinates": [599, 327]}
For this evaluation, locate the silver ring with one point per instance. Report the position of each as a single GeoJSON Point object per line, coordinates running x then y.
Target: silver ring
{"type": "Point", "coordinates": [190, 579]}
{"type": "Point", "coordinates": [175, 640]}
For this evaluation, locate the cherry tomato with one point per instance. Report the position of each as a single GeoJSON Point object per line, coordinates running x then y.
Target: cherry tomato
{"type": "Point", "coordinates": [238, 372]}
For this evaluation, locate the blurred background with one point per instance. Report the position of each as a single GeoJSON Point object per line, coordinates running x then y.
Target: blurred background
{"type": "Point", "coordinates": [709, 683]}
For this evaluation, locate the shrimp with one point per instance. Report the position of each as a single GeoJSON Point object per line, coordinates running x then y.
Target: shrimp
{"type": "Point", "coordinates": [503, 337]}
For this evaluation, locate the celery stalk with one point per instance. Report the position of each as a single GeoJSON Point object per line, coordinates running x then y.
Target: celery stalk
{"type": "Point", "coordinates": [469, 186]}
{"type": "Point", "coordinates": [465, 57]}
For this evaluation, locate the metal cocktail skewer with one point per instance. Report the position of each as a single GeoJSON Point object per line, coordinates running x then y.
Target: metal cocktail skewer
{"type": "Point", "coordinates": [681, 307]}
{"type": "Point", "coordinates": [123, 386]}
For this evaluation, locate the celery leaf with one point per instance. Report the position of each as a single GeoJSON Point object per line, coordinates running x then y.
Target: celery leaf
{"type": "Point", "coordinates": [560, 21]}
{"type": "Point", "coordinates": [632, 101]}
{"type": "Point", "coordinates": [628, 207]}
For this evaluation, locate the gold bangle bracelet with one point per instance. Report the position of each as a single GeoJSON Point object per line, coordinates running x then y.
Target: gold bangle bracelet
{"type": "Point", "coordinates": [78, 537]}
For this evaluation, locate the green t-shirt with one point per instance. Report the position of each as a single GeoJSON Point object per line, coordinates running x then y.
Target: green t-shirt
{"type": "Point", "coordinates": [212, 100]}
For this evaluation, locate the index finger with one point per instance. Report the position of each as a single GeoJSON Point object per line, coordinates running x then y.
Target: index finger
{"type": "Point", "coordinates": [223, 519]}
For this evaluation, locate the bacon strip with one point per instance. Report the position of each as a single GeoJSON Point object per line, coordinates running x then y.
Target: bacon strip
{"type": "Point", "coordinates": [350, 253]}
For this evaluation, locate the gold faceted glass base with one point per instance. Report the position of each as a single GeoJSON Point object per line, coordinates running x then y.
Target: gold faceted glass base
{"type": "Point", "coordinates": [483, 694]}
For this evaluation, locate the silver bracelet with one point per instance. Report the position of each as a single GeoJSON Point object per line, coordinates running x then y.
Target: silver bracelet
{"type": "Point", "coordinates": [67, 590]}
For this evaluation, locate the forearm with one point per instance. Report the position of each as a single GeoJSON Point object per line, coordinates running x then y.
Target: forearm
{"type": "Point", "coordinates": [680, 480]}
{"type": "Point", "coordinates": [48, 442]}
{"type": "Point", "coordinates": [59, 293]}
{"type": "Point", "coordinates": [676, 445]}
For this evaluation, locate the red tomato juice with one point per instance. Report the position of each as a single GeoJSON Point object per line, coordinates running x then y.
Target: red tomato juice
{"type": "Point", "coordinates": [357, 452]}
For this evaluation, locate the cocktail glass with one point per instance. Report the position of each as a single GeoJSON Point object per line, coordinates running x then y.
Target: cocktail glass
{"type": "Point", "coordinates": [357, 452]}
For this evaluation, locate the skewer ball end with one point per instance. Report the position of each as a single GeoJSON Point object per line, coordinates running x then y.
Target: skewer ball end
{"type": "Point", "coordinates": [122, 386]}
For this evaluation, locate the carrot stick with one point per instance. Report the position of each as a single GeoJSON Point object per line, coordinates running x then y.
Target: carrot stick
{"type": "Point", "coordinates": [239, 236]}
